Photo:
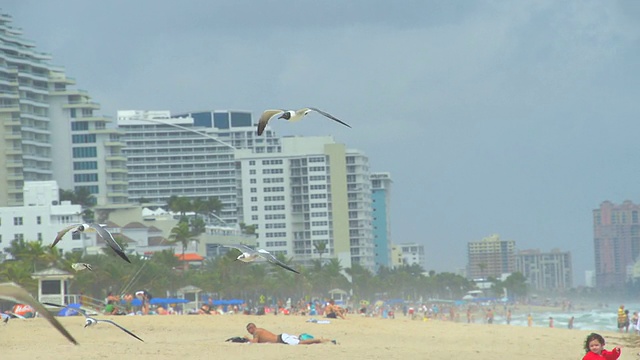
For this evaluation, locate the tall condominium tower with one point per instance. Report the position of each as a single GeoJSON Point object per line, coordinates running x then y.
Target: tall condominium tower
{"type": "Point", "coordinates": [381, 195]}
{"type": "Point", "coordinates": [490, 257]}
{"type": "Point", "coordinates": [546, 270]}
{"type": "Point", "coordinates": [313, 194]}
{"type": "Point", "coordinates": [616, 241]}
{"type": "Point", "coordinates": [48, 130]}
{"type": "Point", "coordinates": [189, 155]}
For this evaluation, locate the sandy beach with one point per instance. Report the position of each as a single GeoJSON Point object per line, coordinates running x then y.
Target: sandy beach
{"type": "Point", "coordinates": [203, 337]}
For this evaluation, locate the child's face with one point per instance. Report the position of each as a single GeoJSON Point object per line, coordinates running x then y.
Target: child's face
{"type": "Point", "coordinates": [595, 346]}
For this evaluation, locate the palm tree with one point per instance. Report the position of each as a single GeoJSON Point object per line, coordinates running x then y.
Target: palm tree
{"type": "Point", "coordinates": [213, 205]}
{"type": "Point", "coordinates": [183, 235]}
{"type": "Point", "coordinates": [179, 204]}
{"type": "Point", "coordinates": [483, 267]}
{"type": "Point", "coordinates": [247, 229]}
{"type": "Point", "coordinates": [321, 247]}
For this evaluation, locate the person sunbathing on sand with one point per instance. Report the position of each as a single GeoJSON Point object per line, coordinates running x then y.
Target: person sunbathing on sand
{"type": "Point", "coordinates": [265, 336]}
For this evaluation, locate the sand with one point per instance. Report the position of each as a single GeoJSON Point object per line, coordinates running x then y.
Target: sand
{"type": "Point", "coordinates": [203, 337]}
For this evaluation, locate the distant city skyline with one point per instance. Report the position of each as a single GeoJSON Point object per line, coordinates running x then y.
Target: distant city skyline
{"type": "Point", "coordinates": [515, 118]}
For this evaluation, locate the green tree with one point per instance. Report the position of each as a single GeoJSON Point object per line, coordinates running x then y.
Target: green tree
{"type": "Point", "coordinates": [182, 234]}
{"type": "Point", "coordinates": [321, 247]}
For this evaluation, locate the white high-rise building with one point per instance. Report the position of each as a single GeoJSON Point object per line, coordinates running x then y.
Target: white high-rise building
{"type": "Point", "coordinates": [189, 155]}
{"type": "Point", "coordinates": [381, 195]}
{"type": "Point", "coordinates": [313, 191]}
{"type": "Point", "coordinates": [41, 218]}
{"type": "Point", "coordinates": [48, 130]}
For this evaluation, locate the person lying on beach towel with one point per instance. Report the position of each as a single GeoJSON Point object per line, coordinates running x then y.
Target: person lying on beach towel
{"type": "Point", "coordinates": [260, 335]}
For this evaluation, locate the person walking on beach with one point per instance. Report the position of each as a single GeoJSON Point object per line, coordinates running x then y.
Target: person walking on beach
{"type": "Point", "coordinates": [570, 324]}
{"type": "Point", "coordinates": [594, 348]}
{"type": "Point", "coordinates": [490, 316]}
{"type": "Point", "coordinates": [621, 318]}
{"type": "Point", "coordinates": [529, 320]}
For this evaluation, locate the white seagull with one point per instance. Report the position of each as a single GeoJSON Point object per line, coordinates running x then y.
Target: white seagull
{"type": "Point", "coordinates": [13, 292]}
{"type": "Point", "coordinates": [291, 116]}
{"type": "Point", "coordinates": [249, 255]}
{"type": "Point", "coordinates": [104, 234]}
{"type": "Point", "coordinates": [81, 266]}
{"type": "Point", "coordinates": [89, 321]}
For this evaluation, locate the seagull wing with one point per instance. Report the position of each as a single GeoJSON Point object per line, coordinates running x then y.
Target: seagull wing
{"type": "Point", "coordinates": [274, 260]}
{"type": "Point", "coordinates": [241, 247]}
{"type": "Point", "coordinates": [62, 232]}
{"type": "Point", "coordinates": [264, 119]}
{"type": "Point", "coordinates": [108, 238]}
{"type": "Point", "coordinates": [13, 292]}
{"type": "Point", "coordinates": [329, 116]}
{"type": "Point", "coordinates": [121, 328]}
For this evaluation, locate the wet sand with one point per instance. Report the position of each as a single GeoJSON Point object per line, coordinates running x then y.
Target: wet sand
{"type": "Point", "coordinates": [203, 337]}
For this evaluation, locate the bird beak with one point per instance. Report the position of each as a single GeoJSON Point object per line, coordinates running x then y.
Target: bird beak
{"type": "Point", "coordinates": [281, 116]}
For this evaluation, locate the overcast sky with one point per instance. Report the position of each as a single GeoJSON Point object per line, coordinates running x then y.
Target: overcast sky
{"type": "Point", "coordinates": [510, 117]}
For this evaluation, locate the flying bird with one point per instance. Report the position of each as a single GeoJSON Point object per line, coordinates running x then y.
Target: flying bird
{"type": "Point", "coordinates": [104, 234]}
{"type": "Point", "coordinates": [13, 292]}
{"type": "Point", "coordinates": [81, 266]}
{"type": "Point", "coordinates": [291, 116]}
{"type": "Point", "coordinates": [248, 255]}
{"type": "Point", "coordinates": [89, 321]}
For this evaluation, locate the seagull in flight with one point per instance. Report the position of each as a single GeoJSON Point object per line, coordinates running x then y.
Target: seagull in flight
{"type": "Point", "coordinates": [104, 234]}
{"type": "Point", "coordinates": [248, 255]}
{"type": "Point", "coordinates": [291, 116]}
{"type": "Point", "coordinates": [81, 266]}
{"type": "Point", "coordinates": [13, 292]}
{"type": "Point", "coordinates": [89, 321]}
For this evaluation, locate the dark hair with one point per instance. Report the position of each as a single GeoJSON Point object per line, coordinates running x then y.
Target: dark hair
{"type": "Point", "coordinates": [590, 338]}
{"type": "Point", "coordinates": [249, 324]}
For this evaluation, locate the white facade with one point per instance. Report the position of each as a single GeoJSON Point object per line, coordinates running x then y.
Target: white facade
{"type": "Point", "coordinates": [48, 130]}
{"type": "Point", "coordinates": [171, 155]}
{"type": "Point", "coordinates": [42, 219]}
{"type": "Point", "coordinates": [412, 254]}
{"type": "Point", "coordinates": [301, 196]}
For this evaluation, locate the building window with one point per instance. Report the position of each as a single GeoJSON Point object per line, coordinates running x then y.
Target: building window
{"type": "Point", "coordinates": [85, 178]}
{"type": "Point", "coordinates": [38, 220]}
{"type": "Point", "coordinates": [79, 125]}
{"type": "Point", "coordinates": [17, 220]}
{"type": "Point", "coordinates": [84, 152]}
{"type": "Point", "coordinates": [40, 237]}
{"type": "Point", "coordinates": [18, 237]}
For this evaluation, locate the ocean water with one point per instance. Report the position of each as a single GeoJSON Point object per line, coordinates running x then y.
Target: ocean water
{"type": "Point", "coordinates": [595, 319]}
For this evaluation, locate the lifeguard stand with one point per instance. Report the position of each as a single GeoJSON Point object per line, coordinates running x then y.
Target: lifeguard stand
{"type": "Point", "coordinates": [190, 293]}
{"type": "Point", "coordinates": [52, 285]}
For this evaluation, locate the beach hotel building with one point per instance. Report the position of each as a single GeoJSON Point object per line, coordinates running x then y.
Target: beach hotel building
{"type": "Point", "coordinates": [40, 219]}
{"type": "Point", "coordinates": [188, 155]}
{"type": "Point", "coordinates": [381, 197]}
{"type": "Point", "coordinates": [48, 130]}
{"type": "Point", "coordinates": [314, 191]}
{"type": "Point", "coordinates": [546, 270]}
{"type": "Point", "coordinates": [616, 242]}
{"type": "Point", "coordinates": [490, 257]}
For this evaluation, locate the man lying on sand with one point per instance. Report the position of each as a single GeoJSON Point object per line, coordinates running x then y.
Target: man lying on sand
{"type": "Point", "coordinates": [265, 336]}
